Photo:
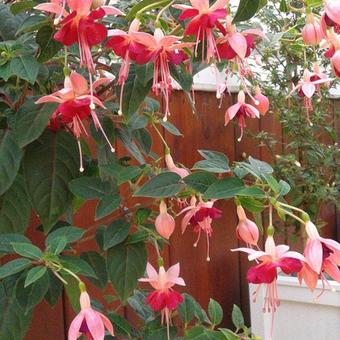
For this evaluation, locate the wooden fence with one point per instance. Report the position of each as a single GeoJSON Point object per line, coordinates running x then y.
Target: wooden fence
{"type": "Point", "coordinates": [223, 278]}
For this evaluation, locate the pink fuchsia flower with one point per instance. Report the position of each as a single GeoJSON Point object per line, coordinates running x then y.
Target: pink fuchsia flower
{"type": "Point", "coordinates": [81, 26]}
{"type": "Point", "coordinates": [89, 322]}
{"type": "Point", "coordinates": [322, 255]}
{"type": "Point", "coordinates": [162, 50]}
{"type": "Point", "coordinates": [75, 105]}
{"type": "Point", "coordinates": [203, 19]}
{"type": "Point", "coordinates": [312, 33]}
{"type": "Point", "coordinates": [241, 110]}
{"type": "Point", "coordinates": [261, 102]}
{"type": "Point", "coordinates": [122, 44]}
{"type": "Point", "coordinates": [200, 217]}
{"type": "Point", "coordinates": [331, 16]}
{"type": "Point", "coordinates": [165, 223]}
{"type": "Point", "coordinates": [246, 230]}
{"type": "Point", "coordinates": [164, 299]}
{"type": "Point", "coordinates": [173, 168]}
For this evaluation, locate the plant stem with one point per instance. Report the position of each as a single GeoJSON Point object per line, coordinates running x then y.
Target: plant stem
{"type": "Point", "coordinates": [292, 215]}
{"type": "Point", "coordinates": [160, 13]}
{"type": "Point", "coordinates": [72, 274]}
{"type": "Point", "coordinates": [291, 207]}
{"type": "Point", "coordinates": [161, 136]}
{"type": "Point", "coordinates": [151, 6]}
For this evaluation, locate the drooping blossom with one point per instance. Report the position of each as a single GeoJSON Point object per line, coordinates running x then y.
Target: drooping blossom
{"type": "Point", "coordinates": [312, 33]}
{"type": "Point", "coordinates": [331, 16]}
{"type": "Point", "coordinates": [75, 105]}
{"type": "Point", "coordinates": [124, 45]}
{"type": "Point", "coordinates": [241, 110]}
{"type": "Point", "coordinates": [202, 21]}
{"type": "Point", "coordinates": [164, 299]}
{"type": "Point", "coordinates": [164, 223]}
{"type": "Point", "coordinates": [170, 164]}
{"type": "Point", "coordinates": [89, 322]}
{"type": "Point", "coordinates": [162, 50]}
{"type": "Point", "coordinates": [322, 256]}
{"type": "Point", "coordinates": [56, 7]}
{"type": "Point", "coordinates": [273, 258]}
{"type": "Point", "coordinates": [200, 215]}
{"type": "Point", "coordinates": [246, 230]}
{"type": "Point", "coordinates": [261, 102]}
{"type": "Point", "coordinates": [81, 26]}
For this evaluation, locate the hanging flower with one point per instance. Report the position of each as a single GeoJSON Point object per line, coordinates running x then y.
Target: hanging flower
{"type": "Point", "coordinates": [246, 230]}
{"type": "Point", "coordinates": [164, 299]}
{"type": "Point", "coordinates": [81, 26]}
{"type": "Point", "coordinates": [56, 7]}
{"type": "Point", "coordinates": [200, 217]}
{"type": "Point", "coordinates": [123, 44]}
{"type": "Point", "coordinates": [173, 168]}
{"type": "Point", "coordinates": [331, 16]}
{"type": "Point", "coordinates": [241, 110]}
{"type": "Point", "coordinates": [322, 255]}
{"type": "Point", "coordinates": [162, 50]}
{"type": "Point", "coordinates": [165, 223]}
{"type": "Point", "coordinates": [89, 322]}
{"type": "Point", "coordinates": [261, 102]}
{"type": "Point", "coordinates": [312, 33]}
{"type": "Point", "coordinates": [203, 19]}
{"type": "Point", "coordinates": [75, 105]}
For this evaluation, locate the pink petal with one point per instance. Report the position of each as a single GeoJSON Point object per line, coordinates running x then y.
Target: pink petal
{"type": "Point", "coordinates": [239, 44]}
{"type": "Point", "coordinates": [313, 253]}
{"type": "Point", "coordinates": [308, 89]}
{"type": "Point", "coordinates": [79, 83]}
{"type": "Point", "coordinates": [81, 6]}
{"type": "Point", "coordinates": [231, 112]}
{"type": "Point", "coordinates": [116, 32]}
{"type": "Point", "coordinates": [201, 5]}
{"type": "Point", "coordinates": [95, 324]}
{"type": "Point", "coordinates": [73, 332]}
{"type": "Point", "coordinates": [49, 99]}
{"type": "Point", "coordinates": [151, 272]}
{"type": "Point", "coordinates": [219, 4]}
{"type": "Point", "coordinates": [254, 254]}
{"type": "Point", "coordinates": [254, 31]}
{"type": "Point", "coordinates": [281, 249]}
{"type": "Point", "coordinates": [145, 39]}
{"type": "Point", "coordinates": [253, 111]}
{"type": "Point", "coordinates": [186, 219]}
{"type": "Point", "coordinates": [107, 323]}
{"type": "Point", "coordinates": [110, 10]}
{"type": "Point", "coordinates": [334, 245]}
{"type": "Point", "coordinates": [332, 270]}
{"type": "Point", "coordinates": [309, 276]}
{"type": "Point", "coordinates": [294, 255]}
{"type": "Point", "coordinates": [51, 8]}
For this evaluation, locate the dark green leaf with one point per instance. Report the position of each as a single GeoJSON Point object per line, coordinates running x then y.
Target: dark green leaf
{"type": "Point", "coordinates": [284, 188]}
{"type": "Point", "coordinates": [49, 47]}
{"type": "Point", "coordinates": [187, 309]}
{"type": "Point", "coordinates": [229, 335]}
{"type": "Point", "coordinates": [170, 128]}
{"type": "Point", "coordinates": [251, 204]}
{"type": "Point", "coordinates": [107, 205]}
{"type": "Point", "coordinates": [98, 264]}
{"type": "Point", "coordinates": [252, 192]}
{"type": "Point", "coordinates": [127, 174]}
{"type": "Point", "coordinates": [5, 71]}
{"type": "Point", "coordinates": [77, 265]}
{"type": "Point", "coordinates": [215, 312]}
{"type": "Point", "coordinates": [27, 250]}
{"type": "Point", "coordinates": [144, 73]}
{"type": "Point", "coordinates": [120, 325]}
{"type": "Point", "coordinates": [7, 239]}
{"type": "Point", "coordinates": [200, 181]}
{"type": "Point", "coordinates": [260, 167]}
{"type": "Point", "coordinates": [9, 23]}
{"type": "Point", "coordinates": [116, 233]}
{"type": "Point", "coordinates": [183, 78]}
{"type": "Point", "coordinates": [214, 162]}
{"type": "Point", "coordinates": [71, 234]}
{"type": "Point", "coordinates": [283, 6]}
{"type": "Point", "coordinates": [246, 10]}
{"type": "Point", "coordinates": [34, 274]}
{"type": "Point", "coordinates": [14, 267]}
{"type": "Point", "coordinates": [57, 245]}
{"type": "Point", "coordinates": [55, 289]}
{"type": "Point", "coordinates": [137, 303]}
{"type": "Point", "coordinates": [130, 145]}
{"type": "Point", "coordinates": [225, 188]}
{"type": "Point", "coordinates": [25, 67]}
{"type": "Point", "coordinates": [88, 188]}
{"type": "Point", "coordinates": [237, 317]}
{"type": "Point", "coordinates": [22, 6]}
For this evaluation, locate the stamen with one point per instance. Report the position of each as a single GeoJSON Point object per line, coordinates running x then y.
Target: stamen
{"type": "Point", "coordinates": [81, 167]}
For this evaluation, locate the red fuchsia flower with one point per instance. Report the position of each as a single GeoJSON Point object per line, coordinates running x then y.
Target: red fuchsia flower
{"type": "Point", "coordinates": [81, 27]}
{"type": "Point", "coordinates": [246, 229]}
{"type": "Point", "coordinates": [261, 102]}
{"type": "Point", "coordinates": [273, 258]}
{"type": "Point", "coordinates": [89, 322]}
{"type": "Point", "coordinates": [173, 168]}
{"type": "Point", "coordinates": [322, 255]}
{"type": "Point", "coordinates": [123, 44]}
{"type": "Point", "coordinates": [75, 105]}
{"type": "Point", "coordinates": [161, 50]}
{"type": "Point", "coordinates": [203, 19]}
{"type": "Point", "coordinates": [331, 16]}
{"type": "Point", "coordinates": [200, 217]}
{"type": "Point", "coordinates": [241, 110]}
{"type": "Point", "coordinates": [164, 299]}
{"type": "Point", "coordinates": [165, 223]}
{"type": "Point", "coordinates": [312, 33]}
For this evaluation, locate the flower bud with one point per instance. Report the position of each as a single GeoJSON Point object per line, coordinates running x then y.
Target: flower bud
{"type": "Point", "coordinates": [246, 229]}
{"type": "Point", "coordinates": [312, 33]}
{"type": "Point", "coordinates": [173, 168]}
{"type": "Point", "coordinates": [165, 223]}
{"type": "Point", "coordinates": [262, 102]}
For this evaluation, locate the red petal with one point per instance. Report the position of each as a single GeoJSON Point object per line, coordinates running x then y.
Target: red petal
{"type": "Point", "coordinates": [68, 34]}
{"type": "Point", "coordinates": [262, 273]}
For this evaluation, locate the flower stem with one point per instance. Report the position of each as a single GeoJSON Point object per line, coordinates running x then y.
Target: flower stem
{"type": "Point", "coordinates": [292, 215]}
{"type": "Point", "coordinates": [160, 13]}
{"type": "Point", "coordinates": [161, 137]}
{"type": "Point", "coordinates": [72, 274]}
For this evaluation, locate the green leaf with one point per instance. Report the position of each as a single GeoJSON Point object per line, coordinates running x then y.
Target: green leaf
{"type": "Point", "coordinates": [252, 192]}
{"type": "Point", "coordinates": [49, 164]}
{"type": "Point", "coordinates": [260, 167]}
{"type": "Point", "coordinates": [229, 335]}
{"type": "Point", "coordinates": [215, 312]}
{"type": "Point", "coordinates": [55, 289]}
{"type": "Point", "coordinates": [7, 239]}
{"type": "Point", "coordinates": [77, 265]}
{"type": "Point", "coordinates": [34, 274]}
{"type": "Point", "coordinates": [144, 73]}
{"type": "Point", "coordinates": [225, 188]}
{"type": "Point", "coordinates": [31, 121]}
{"type": "Point", "coordinates": [186, 309]}
{"type": "Point", "coordinates": [141, 4]}
{"type": "Point", "coordinates": [22, 6]}
{"type": "Point", "coordinates": [183, 78]}
{"type": "Point", "coordinates": [251, 204]}
{"type": "Point", "coordinates": [120, 325]}
{"type": "Point", "coordinates": [10, 158]}
{"type": "Point", "coordinates": [283, 6]}
{"type": "Point", "coordinates": [14, 267]}
{"type": "Point", "coordinates": [57, 245]}
{"type": "Point", "coordinates": [200, 181]}
{"type": "Point", "coordinates": [15, 208]}
{"type": "Point", "coordinates": [9, 23]}
{"type": "Point", "coordinates": [98, 264]}
{"type": "Point", "coordinates": [272, 182]}
{"type": "Point", "coordinates": [88, 188]}
{"type": "Point", "coordinates": [126, 264]}
{"type": "Point", "coordinates": [214, 161]}
{"type": "Point", "coordinates": [284, 188]}
{"type": "Point", "coordinates": [27, 250]}
{"type": "Point", "coordinates": [71, 234]}
{"type": "Point", "coordinates": [72, 292]}
{"type": "Point", "coordinates": [5, 71]}
{"type": "Point", "coordinates": [49, 47]}
{"type": "Point", "coordinates": [237, 317]}
{"type": "Point", "coordinates": [246, 10]}
{"type": "Point", "coordinates": [137, 303]}
{"type": "Point", "coordinates": [170, 128]}
{"type": "Point", "coordinates": [161, 186]}
{"type": "Point", "coordinates": [32, 23]}
{"type": "Point", "coordinates": [25, 67]}
{"type": "Point", "coordinates": [116, 233]}
{"type": "Point", "coordinates": [107, 205]}
{"type": "Point", "coordinates": [128, 173]}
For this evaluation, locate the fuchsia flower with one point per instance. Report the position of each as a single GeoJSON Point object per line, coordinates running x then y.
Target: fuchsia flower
{"type": "Point", "coordinates": [312, 33]}
{"type": "Point", "coordinates": [322, 255]}
{"type": "Point", "coordinates": [203, 19]}
{"type": "Point", "coordinates": [123, 44]}
{"type": "Point", "coordinates": [273, 258]}
{"type": "Point", "coordinates": [331, 16]}
{"type": "Point", "coordinates": [80, 26]}
{"type": "Point", "coordinates": [200, 217]}
{"type": "Point", "coordinates": [89, 322]}
{"type": "Point", "coordinates": [241, 110]}
{"type": "Point", "coordinates": [164, 299]}
{"type": "Point", "coordinates": [56, 7]}
{"type": "Point", "coordinates": [261, 102]}
{"type": "Point", "coordinates": [75, 105]}
{"type": "Point", "coordinates": [161, 50]}
{"type": "Point", "coordinates": [246, 229]}
{"type": "Point", "coordinates": [173, 168]}
{"type": "Point", "coordinates": [165, 223]}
